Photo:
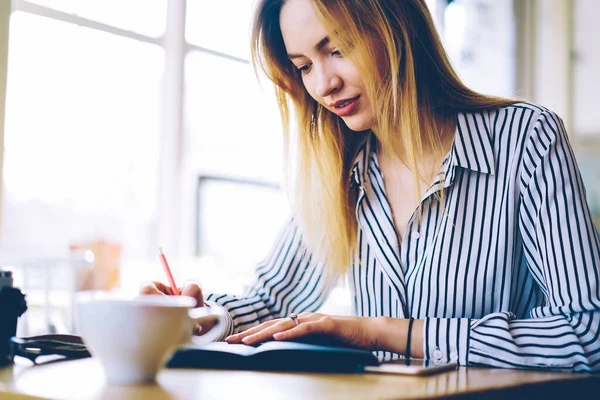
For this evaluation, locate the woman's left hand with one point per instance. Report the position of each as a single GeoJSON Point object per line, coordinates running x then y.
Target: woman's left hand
{"type": "Point", "coordinates": [362, 332]}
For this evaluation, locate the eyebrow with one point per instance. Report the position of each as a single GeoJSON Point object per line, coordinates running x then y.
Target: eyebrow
{"type": "Point", "coordinates": [323, 42]}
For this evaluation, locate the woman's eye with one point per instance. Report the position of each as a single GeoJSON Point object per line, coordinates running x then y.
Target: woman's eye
{"type": "Point", "coordinates": [303, 69]}
{"type": "Point", "coordinates": [337, 53]}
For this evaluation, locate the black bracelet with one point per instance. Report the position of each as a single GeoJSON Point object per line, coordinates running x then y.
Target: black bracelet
{"type": "Point", "coordinates": [410, 323]}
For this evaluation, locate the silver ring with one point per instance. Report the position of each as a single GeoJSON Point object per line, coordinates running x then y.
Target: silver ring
{"type": "Point", "coordinates": [294, 318]}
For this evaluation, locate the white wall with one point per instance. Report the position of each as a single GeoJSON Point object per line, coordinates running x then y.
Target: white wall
{"type": "Point", "coordinates": [5, 8]}
{"type": "Point", "coordinates": [586, 67]}
{"type": "Point", "coordinates": [479, 38]}
{"type": "Point", "coordinates": [559, 60]}
{"type": "Point", "coordinates": [543, 54]}
{"type": "Point", "coordinates": [552, 77]}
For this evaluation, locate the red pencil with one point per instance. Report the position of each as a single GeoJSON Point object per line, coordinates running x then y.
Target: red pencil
{"type": "Point", "coordinates": [165, 265]}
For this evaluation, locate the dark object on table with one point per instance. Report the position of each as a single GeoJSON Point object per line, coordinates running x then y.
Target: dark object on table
{"type": "Point", "coordinates": [49, 348]}
{"type": "Point", "coordinates": [273, 356]}
{"type": "Point", "coordinates": [12, 306]}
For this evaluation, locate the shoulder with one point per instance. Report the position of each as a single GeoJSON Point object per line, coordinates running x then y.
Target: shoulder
{"type": "Point", "coordinates": [518, 122]}
{"type": "Point", "coordinates": [544, 127]}
{"type": "Point", "coordinates": [517, 137]}
{"type": "Point", "coordinates": [524, 117]}
{"type": "Point", "coordinates": [534, 137]}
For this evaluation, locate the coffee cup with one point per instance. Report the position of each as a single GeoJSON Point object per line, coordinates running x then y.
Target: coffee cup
{"type": "Point", "coordinates": [133, 337]}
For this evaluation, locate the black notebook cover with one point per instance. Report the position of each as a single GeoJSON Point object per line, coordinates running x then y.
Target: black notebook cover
{"type": "Point", "coordinates": [272, 356]}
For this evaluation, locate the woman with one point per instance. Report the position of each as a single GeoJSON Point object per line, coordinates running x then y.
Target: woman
{"type": "Point", "coordinates": [494, 263]}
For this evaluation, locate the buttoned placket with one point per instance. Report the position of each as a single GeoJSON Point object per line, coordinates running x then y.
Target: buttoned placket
{"type": "Point", "coordinates": [412, 259]}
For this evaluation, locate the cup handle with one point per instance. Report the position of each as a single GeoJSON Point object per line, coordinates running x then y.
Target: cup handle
{"type": "Point", "coordinates": [202, 315]}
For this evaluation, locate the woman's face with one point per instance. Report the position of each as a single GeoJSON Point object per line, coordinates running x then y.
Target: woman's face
{"type": "Point", "coordinates": [329, 78]}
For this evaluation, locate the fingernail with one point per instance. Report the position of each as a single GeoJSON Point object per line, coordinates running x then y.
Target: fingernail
{"type": "Point", "coordinates": [248, 339]}
{"type": "Point", "coordinates": [278, 335]}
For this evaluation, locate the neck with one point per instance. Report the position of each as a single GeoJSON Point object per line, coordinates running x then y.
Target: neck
{"type": "Point", "coordinates": [431, 152]}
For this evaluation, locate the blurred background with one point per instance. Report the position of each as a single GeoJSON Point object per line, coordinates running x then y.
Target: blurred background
{"type": "Point", "coordinates": [133, 124]}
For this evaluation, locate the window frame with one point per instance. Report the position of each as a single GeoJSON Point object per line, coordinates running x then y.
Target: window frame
{"type": "Point", "coordinates": [174, 204]}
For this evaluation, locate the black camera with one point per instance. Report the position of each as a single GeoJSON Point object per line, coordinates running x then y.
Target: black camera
{"type": "Point", "coordinates": [12, 306]}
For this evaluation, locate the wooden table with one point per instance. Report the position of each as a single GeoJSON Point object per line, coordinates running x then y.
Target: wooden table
{"type": "Point", "coordinates": [83, 379]}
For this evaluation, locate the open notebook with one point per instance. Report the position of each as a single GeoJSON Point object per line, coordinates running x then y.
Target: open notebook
{"type": "Point", "coordinates": [275, 356]}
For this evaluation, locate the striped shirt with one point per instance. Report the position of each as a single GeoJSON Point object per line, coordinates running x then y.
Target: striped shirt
{"type": "Point", "coordinates": [505, 273]}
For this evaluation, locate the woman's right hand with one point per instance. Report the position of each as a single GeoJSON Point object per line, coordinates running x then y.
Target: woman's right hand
{"type": "Point", "coordinates": [191, 289]}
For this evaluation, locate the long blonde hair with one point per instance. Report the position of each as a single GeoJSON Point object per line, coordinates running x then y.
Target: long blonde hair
{"type": "Point", "coordinates": [414, 89]}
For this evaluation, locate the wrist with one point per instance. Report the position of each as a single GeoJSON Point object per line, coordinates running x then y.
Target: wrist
{"type": "Point", "coordinates": [385, 329]}
{"type": "Point", "coordinates": [416, 345]}
{"type": "Point", "coordinates": [392, 333]}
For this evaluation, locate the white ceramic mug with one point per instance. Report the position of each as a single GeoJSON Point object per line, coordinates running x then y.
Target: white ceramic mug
{"type": "Point", "coordinates": [133, 337]}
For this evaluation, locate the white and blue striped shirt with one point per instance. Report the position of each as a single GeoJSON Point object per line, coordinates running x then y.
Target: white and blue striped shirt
{"type": "Point", "coordinates": [505, 274]}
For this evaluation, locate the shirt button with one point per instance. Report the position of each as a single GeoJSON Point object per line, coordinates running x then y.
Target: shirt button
{"type": "Point", "coordinates": [416, 235]}
{"type": "Point", "coordinates": [454, 356]}
{"type": "Point", "coordinates": [438, 355]}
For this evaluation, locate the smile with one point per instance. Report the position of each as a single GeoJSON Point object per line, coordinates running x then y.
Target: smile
{"type": "Point", "coordinates": [346, 107]}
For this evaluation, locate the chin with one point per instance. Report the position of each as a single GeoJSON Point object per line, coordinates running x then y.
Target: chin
{"type": "Point", "coordinates": [359, 124]}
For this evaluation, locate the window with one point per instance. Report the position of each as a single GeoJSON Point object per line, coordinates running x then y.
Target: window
{"type": "Point", "coordinates": [479, 36]}
{"type": "Point", "coordinates": [139, 16]}
{"type": "Point", "coordinates": [233, 138]}
{"type": "Point", "coordinates": [82, 126]}
{"type": "Point", "coordinates": [222, 26]}
{"type": "Point", "coordinates": [82, 134]}
{"type": "Point", "coordinates": [88, 126]}
{"type": "Point", "coordinates": [237, 219]}
{"type": "Point", "coordinates": [231, 126]}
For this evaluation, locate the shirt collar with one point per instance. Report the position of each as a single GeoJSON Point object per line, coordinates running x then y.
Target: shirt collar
{"type": "Point", "coordinates": [472, 149]}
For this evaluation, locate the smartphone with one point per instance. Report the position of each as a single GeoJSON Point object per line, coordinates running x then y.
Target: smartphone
{"type": "Point", "coordinates": [413, 366]}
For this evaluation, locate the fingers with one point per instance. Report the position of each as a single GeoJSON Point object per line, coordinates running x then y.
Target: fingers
{"type": "Point", "coordinates": [267, 330]}
{"type": "Point", "coordinates": [155, 288]}
{"type": "Point", "coordinates": [205, 326]}
{"type": "Point", "coordinates": [267, 333]}
{"type": "Point", "coordinates": [193, 290]}
{"type": "Point", "coordinates": [303, 329]}
{"type": "Point", "coordinates": [240, 336]}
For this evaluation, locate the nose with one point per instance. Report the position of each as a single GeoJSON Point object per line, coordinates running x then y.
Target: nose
{"type": "Point", "coordinates": [328, 81]}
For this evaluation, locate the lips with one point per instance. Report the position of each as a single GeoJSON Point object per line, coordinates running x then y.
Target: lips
{"type": "Point", "coordinates": [346, 107]}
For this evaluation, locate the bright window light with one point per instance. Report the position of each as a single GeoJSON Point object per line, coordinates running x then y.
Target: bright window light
{"type": "Point", "coordinates": [82, 125]}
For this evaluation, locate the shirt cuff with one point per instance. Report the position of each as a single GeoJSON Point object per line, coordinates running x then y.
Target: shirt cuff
{"type": "Point", "coordinates": [446, 339]}
{"type": "Point", "coordinates": [228, 320]}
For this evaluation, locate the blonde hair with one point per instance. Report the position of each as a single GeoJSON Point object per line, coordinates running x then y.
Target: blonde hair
{"type": "Point", "coordinates": [411, 91]}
